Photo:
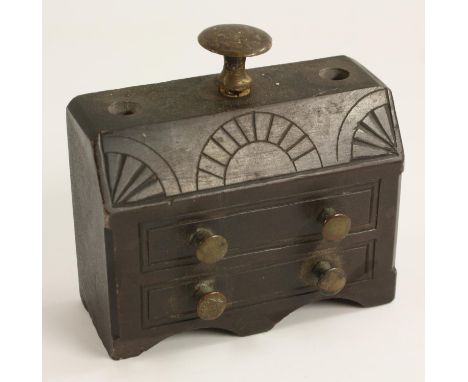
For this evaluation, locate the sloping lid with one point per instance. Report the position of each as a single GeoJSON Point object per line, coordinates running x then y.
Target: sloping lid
{"type": "Point", "coordinates": [303, 118]}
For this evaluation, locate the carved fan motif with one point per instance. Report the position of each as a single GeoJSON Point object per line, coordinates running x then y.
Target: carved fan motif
{"type": "Point", "coordinates": [374, 135]}
{"type": "Point", "coordinates": [135, 172]}
{"type": "Point", "coordinates": [369, 129]}
{"type": "Point", "coordinates": [130, 180]}
{"type": "Point", "coordinates": [253, 146]}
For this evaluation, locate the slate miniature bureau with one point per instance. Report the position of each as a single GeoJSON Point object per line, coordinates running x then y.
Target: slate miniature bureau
{"type": "Point", "coordinates": [229, 201]}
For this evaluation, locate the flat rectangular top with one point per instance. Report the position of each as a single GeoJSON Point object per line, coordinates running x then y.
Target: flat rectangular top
{"type": "Point", "coordinates": [197, 96]}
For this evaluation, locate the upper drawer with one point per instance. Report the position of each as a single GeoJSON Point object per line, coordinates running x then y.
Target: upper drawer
{"type": "Point", "coordinates": [279, 223]}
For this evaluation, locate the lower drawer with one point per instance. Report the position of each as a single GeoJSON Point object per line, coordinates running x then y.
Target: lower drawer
{"type": "Point", "coordinates": [167, 303]}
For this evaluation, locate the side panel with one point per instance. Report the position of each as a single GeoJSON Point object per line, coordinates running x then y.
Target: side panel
{"type": "Point", "coordinates": [90, 235]}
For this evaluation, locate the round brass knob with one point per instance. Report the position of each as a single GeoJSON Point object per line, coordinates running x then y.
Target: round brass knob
{"type": "Point", "coordinates": [210, 247]}
{"type": "Point", "coordinates": [211, 304]}
{"type": "Point", "coordinates": [336, 225]}
{"type": "Point", "coordinates": [329, 280]}
{"type": "Point", "coordinates": [235, 42]}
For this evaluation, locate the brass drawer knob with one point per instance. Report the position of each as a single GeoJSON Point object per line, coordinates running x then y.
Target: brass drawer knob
{"type": "Point", "coordinates": [210, 247]}
{"type": "Point", "coordinates": [235, 42]}
{"type": "Point", "coordinates": [335, 225]}
{"type": "Point", "coordinates": [329, 280]}
{"type": "Point", "coordinates": [211, 304]}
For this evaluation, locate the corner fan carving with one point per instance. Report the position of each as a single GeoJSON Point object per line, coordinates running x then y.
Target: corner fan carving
{"type": "Point", "coordinates": [368, 129]}
{"type": "Point", "coordinates": [136, 173]}
{"type": "Point", "coordinates": [253, 146]}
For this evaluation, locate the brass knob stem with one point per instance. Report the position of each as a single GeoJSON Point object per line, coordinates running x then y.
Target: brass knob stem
{"type": "Point", "coordinates": [335, 225]}
{"type": "Point", "coordinates": [329, 280]}
{"type": "Point", "coordinates": [211, 304]}
{"type": "Point", "coordinates": [211, 248]}
{"type": "Point", "coordinates": [234, 80]}
{"type": "Point", "coordinates": [235, 42]}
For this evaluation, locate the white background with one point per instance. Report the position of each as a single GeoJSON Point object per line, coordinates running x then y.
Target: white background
{"type": "Point", "coordinates": [99, 45]}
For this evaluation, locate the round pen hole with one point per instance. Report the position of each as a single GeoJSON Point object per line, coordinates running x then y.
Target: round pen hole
{"type": "Point", "coordinates": [334, 74]}
{"type": "Point", "coordinates": [123, 108]}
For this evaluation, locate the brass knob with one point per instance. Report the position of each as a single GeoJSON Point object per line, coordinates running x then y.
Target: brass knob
{"type": "Point", "coordinates": [235, 42]}
{"type": "Point", "coordinates": [210, 247]}
{"type": "Point", "coordinates": [211, 304]}
{"type": "Point", "coordinates": [336, 225]}
{"type": "Point", "coordinates": [329, 280]}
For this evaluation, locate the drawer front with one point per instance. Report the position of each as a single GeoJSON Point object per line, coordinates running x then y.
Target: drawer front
{"type": "Point", "coordinates": [272, 231]}
{"type": "Point", "coordinates": [279, 223]}
{"type": "Point", "coordinates": [168, 303]}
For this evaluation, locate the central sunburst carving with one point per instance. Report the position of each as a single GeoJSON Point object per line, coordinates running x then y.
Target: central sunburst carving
{"type": "Point", "coordinates": [254, 146]}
